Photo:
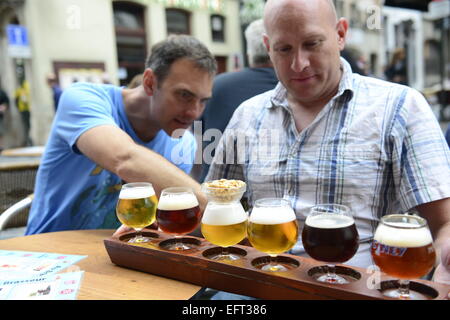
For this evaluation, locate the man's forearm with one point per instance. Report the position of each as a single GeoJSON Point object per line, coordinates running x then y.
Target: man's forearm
{"type": "Point", "coordinates": [146, 165]}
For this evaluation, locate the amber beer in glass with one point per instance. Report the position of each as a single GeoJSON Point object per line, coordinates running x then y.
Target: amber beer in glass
{"type": "Point", "coordinates": [272, 229]}
{"type": "Point", "coordinates": [224, 224]}
{"type": "Point", "coordinates": [330, 235]}
{"type": "Point", "coordinates": [178, 213]}
{"type": "Point", "coordinates": [136, 207]}
{"type": "Point", "coordinates": [403, 248]}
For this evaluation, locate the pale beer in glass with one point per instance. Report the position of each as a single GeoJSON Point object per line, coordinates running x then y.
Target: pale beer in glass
{"type": "Point", "coordinates": [136, 207]}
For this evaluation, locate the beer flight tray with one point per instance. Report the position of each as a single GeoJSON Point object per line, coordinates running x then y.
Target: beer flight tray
{"type": "Point", "coordinates": [244, 276]}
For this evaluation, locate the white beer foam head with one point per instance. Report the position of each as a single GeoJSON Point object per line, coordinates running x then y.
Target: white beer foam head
{"type": "Point", "coordinates": [404, 238]}
{"type": "Point", "coordinates": [272, 215]}
{"type": "Point", "coordinates": [329, 221]}
{"type": "Point", "coordinates": [219, 215]}
{"type": "Point", "coordinates": [136, 193]}
{"type": "Point", "coordinates": [177, 201]}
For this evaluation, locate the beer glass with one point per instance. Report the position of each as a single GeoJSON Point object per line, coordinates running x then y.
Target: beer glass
{"type": "Point", "coordinates": [224, 222]}
{"type": "Point", "coordinates": [178, 213]}
{"type": "Point", "coordinates": [136, 208]}
{"type": "Point", "coordinates": [330, 236]}
{"type": "Point", "coordinates": [403, 248]}
{"type": "Point", "coordinates": [272, 228]}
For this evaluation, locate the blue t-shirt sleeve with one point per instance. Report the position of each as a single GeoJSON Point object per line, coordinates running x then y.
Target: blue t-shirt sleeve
{"type": "Point", "coordinates": [82, 107]}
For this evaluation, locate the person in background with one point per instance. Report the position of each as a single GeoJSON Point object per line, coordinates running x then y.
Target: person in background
{"type": "Point", "coordinates": [232, 88]}
{"type": "Point", "coordinates": [397, 70]}
{"type": "Point", "coordinates": [23, 100]}
{"type": "Point", "coordinates": [4, 106]}
{"type": "Point", "coordinates": [104, 135]}
{"type": "Point", "coordinates": [56, 89]}
{"type": "Point", "coordinates": [356, 60]}
{"type": "Point", "coordinates": [336, 136]}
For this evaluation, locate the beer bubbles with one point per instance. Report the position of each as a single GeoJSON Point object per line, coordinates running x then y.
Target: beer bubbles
{"type": "Point", "coordinates": [136, 208]}
{"type": "Point", "coordinates": [272, 229]}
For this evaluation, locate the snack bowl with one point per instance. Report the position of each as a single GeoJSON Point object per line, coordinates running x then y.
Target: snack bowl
{"type": "Point", "coordinates": [223, 190]}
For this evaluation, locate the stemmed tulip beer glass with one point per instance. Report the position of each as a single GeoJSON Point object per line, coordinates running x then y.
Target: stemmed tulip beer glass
{"type": "Point", "coordinates": [224, 222]}
{"type": "Point", "coordinates": [136, 208]}
{"type": "Point", "coordinates": [178, 214]}
{"type": "Point", "coordinates": [330, 235]}
{"type": "Point", "coordinates": [403, 248]}
{"type": "Point", "coordinates": [272, 229]}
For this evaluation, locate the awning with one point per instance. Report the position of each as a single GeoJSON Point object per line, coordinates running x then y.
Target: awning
{"type": "Point", "coordinates": [421, 5]}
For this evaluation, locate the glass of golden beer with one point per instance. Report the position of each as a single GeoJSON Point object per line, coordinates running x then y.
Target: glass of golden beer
{"type": "Point", "coordinates": [136, 208]}
{"type": "Point", "coordinates": [403, 248]}
{"type": "Point", "coordinates": [272, 229]}
{"type": "Point", "coordinates": [178, 213]}
{"type": "Point", "coordinates": [224, 222]}
{"type": "Point", "coordinates": [330, 235]}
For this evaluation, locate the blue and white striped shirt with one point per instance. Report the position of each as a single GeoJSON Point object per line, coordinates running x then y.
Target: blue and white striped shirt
{"type": "Point", "coordinates": [375, 147]}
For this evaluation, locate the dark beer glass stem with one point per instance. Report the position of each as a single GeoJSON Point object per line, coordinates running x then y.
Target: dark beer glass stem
{"type": "Point", "coordinates": [403, 289]}
{"type": "Point", "coordinates": [331, 273]}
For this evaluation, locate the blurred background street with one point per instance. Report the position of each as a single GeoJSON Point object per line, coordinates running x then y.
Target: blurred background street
{"type": "Point", "coordinates": [47, 45]}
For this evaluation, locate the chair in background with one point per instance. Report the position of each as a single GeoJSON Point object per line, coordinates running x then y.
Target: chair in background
{"type": "Point", "coordinates": [16, 215]}
{"type": "Point", "coordinates": [16, 193]}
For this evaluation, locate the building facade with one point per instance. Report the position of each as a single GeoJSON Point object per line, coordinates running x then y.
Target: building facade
{"type": "Point", "coordinates": [99, 41]}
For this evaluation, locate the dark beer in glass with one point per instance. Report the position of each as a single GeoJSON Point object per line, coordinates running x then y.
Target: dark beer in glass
{"type": "Point", "coordinates": [330, 235]}
{"type": "Point", "coordinates": [330, 238]}
{"type": "Point", "coordinates": [178, 213]}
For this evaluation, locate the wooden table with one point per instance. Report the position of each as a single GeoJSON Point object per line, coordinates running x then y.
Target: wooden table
{"type": "Point", "coordinates": [102, 279]}
{"type": "Point", "coordinates": [33, 151]}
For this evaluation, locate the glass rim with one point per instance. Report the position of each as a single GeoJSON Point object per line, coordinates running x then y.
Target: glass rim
{"type": "Point", "coordinates": [137, 184]}
{"type": "Point", "coordinates": [422, 221]}
{"type": "Point", "coordinates": [177, 190]}
{"type": "Point", "coordinates": [282, 201]}
{"type": "Point", "coordinates": [346, 209]}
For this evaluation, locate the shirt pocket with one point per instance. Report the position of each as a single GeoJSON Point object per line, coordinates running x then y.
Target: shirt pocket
{"type": "Point", "coordinates": [353, 171]}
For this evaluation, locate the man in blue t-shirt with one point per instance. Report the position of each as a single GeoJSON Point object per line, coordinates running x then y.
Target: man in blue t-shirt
{"type": "Point", "coordinates": [104, 135]}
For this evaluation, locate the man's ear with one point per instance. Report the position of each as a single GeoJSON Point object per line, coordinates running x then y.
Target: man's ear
{"type": "Point", "coordinates": [149, 81]}
{"type": "Point", "coordinates": [266, 42]}
{"type": "Point", "coordinates": [341, 28]}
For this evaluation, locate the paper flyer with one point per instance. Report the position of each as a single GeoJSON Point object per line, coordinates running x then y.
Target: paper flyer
{"type": "Point", "coordinates": [63, 286]}
{"type": "Point", "coordinates": [24, 264]}
{"type": "Point", "coordinates": [26, 275]}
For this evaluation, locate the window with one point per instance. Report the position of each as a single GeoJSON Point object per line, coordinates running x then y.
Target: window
{"type": "Point", "coordinates": [218, 28]}
{"type": "Point", "coordinates": [130, 39]}
{"type": "Point", "coordinates": [177, 21]}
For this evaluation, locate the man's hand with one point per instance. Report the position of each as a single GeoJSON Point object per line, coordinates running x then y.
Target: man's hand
{"type": "Point", "coordinates": [124, 229]}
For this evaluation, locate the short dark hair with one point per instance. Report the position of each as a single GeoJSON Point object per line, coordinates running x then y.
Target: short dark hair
{"type": "Point", "coordinates": [175, 47]}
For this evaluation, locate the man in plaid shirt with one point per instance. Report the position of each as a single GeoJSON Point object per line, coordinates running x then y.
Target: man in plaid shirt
{"type": "Point", "coordinates": [327, 135]}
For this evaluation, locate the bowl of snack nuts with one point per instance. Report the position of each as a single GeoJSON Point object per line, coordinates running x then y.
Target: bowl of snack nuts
{"type": "Point", "coordinates": [224, 190]}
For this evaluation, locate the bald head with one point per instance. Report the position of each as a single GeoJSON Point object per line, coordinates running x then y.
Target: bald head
{"type": "Point", "coordinates": [322, 9]}
{"type": "Point", "coordinates": [304, 39]}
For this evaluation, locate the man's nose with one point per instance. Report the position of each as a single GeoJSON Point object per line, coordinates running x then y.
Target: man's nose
{"type": "Point", "coordinates": [300, 61]}
{"type": "Point", "coordinates": [195, 111]}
